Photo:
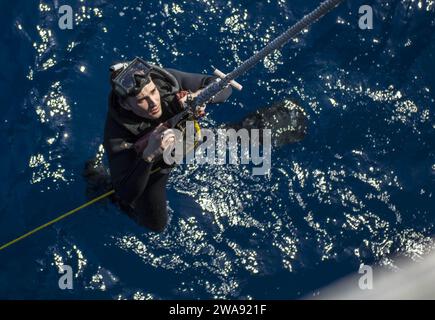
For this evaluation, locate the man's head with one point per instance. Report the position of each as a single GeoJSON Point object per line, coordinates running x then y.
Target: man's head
{"type": "Point", "coordinates": [135, 89]}
{"type": "Point", "coordinates": [146, 103]}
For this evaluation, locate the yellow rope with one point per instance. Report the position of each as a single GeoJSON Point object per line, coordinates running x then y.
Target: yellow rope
{"type": "Point", "coordinates": [63, 216]}
{"type": "Point", "coordinates": [198, 130]}
{"type": "Point", "coordinates": [57, 219]}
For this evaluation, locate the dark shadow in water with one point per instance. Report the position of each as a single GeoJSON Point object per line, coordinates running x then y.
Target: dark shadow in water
{"type": "Point", "coordinates": [286, 120]}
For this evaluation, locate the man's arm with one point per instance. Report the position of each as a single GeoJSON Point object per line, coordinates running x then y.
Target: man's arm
{"type": "Point", "coordinates": [129, 173]}
{"type": "Point", "coordinates": [131, 183]}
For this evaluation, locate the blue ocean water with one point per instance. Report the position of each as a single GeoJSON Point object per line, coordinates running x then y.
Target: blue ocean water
{"type": "Point", "coordinates": [358, 189]}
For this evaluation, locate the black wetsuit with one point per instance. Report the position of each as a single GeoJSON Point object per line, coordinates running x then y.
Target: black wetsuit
{"type": "Point", "coordinates": [142, 193]}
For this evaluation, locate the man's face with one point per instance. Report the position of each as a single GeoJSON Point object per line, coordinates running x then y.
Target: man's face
{"type": "Point", "coordinates": [146, 104]}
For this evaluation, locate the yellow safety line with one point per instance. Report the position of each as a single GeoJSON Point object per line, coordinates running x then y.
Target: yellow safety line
{"type": "Point", "coordinates": [57, 219]}
{"type": "Point", "coordinates": [82, 206]}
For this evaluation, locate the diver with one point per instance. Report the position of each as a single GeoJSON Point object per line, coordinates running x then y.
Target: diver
{"type": "Point", "coordinates": [142, 99]}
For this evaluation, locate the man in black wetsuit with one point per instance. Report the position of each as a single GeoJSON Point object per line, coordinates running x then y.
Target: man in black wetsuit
{"type": "Point", "coordinates": [142, 99]}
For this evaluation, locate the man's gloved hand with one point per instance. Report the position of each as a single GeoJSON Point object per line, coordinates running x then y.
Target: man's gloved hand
{"type": "Point", "coordinates": [183, 96]}
{"type": "Point", "coordinates": [155, 143]}
{"type": "Point", "coordinates": [200, 111]}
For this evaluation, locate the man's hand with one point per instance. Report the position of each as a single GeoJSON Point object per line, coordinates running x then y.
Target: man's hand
{"type": "Point", "coordinates": [152, 145]}
{"type": "Point", "coordinates": [200, 111]}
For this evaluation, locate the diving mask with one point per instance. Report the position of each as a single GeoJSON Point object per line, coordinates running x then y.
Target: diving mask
{"type": "Point", "coordinates": [133, 77]}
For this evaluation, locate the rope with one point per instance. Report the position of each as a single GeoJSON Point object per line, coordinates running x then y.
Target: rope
{"type": "Point", "coordinates": [65, 215]}
{"type": "Point", "coordinates": [214, 88]}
